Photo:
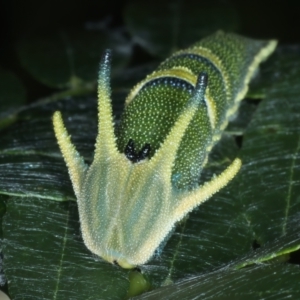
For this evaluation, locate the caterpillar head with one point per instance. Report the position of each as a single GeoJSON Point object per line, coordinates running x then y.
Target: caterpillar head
{"type": "Point", "coordinates": [127, 204]}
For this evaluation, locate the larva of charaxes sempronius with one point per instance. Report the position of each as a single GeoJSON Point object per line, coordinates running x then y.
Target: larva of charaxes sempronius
{"type": "Point", "coordinates": [145, 174]}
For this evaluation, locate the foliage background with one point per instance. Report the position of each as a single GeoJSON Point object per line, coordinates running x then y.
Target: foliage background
{"type": "Point", "coordinates": [49, 58]}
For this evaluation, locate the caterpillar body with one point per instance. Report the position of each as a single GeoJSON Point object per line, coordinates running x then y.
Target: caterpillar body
{"type": "Point", "coordinates": [145, 178]}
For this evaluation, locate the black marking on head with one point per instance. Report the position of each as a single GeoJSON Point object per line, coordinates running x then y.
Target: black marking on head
{"type": "Point", "coordinates": [129, 150]}
{"type": "Point", "coordinates": [144, 152]}
{"type": "Point", "coordinates": [134, 156]}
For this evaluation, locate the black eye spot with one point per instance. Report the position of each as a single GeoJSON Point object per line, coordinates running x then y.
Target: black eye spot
{"type": "Point", "coordinates": [129, 150]}
{"type": "Point", "coordinates": [135, 156]}
{"type": "Point", "coordinates": [144, 152]}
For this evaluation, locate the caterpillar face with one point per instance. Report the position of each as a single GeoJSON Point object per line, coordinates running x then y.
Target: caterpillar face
{"type": "Point", "coordinates": [145, 179]}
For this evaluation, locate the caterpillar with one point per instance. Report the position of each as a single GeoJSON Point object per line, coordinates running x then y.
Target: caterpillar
{"type": "Point", "coordinates": [145, 174]}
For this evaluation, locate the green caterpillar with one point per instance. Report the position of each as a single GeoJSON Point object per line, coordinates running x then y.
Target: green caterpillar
{"type": "Point", "coordinates": [145, 178]}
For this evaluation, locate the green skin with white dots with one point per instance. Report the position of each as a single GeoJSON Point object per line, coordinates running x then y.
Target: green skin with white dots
{"type": "Point", "coordinates": [146, 172]}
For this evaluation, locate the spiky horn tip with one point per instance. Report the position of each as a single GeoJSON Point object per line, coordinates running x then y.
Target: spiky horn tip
{"type": "Point", "coordinates": [200, 88]}
{"type": "Point", "coordinates": [74, 161]}
{"type": "Point", "coordinates": [106, 139]}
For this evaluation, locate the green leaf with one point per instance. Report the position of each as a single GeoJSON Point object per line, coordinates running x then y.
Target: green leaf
{"type": "Point", "coordinates": [243, 117]}
{"type": "Point", "coordinates": [45, 257]}
{"type": "Point", "coordinates": [29, 152]}
{"type": "Point", "coordinates": [277, 73]}
{"type": "Point", "coordinates": [68, 59]}
{"type": "Point", "coordinates": [12, 96]}
{"type": "Point", "coordinates": [258, 282]}
{"type": "Point", "coordinates": [12, 90]}
{"type": "Point", "coordinates": [163, 26]}
{"type": "Point", "coordinates": [269, 181]}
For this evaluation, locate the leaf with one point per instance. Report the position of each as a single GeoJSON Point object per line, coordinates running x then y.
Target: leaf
{"type": "Point", "coordinates": [257, 282]}
{"type": "Point", "coordinates": [67, 59]}
{"type": "Point", "coordinates": [29, 153]}
{"type": "Point", "coordinates": [12, 90]}
{"type": "Point", "coordinates": [278, 73]}
{"type": "Point", "coordinates": [12, 96]}
{"type": "Point", "coordinates": [271, 156]}
{"type": "Point", "coordinates": [45, 257]}
{"type": "Point", "coordinates": [162, 27]}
